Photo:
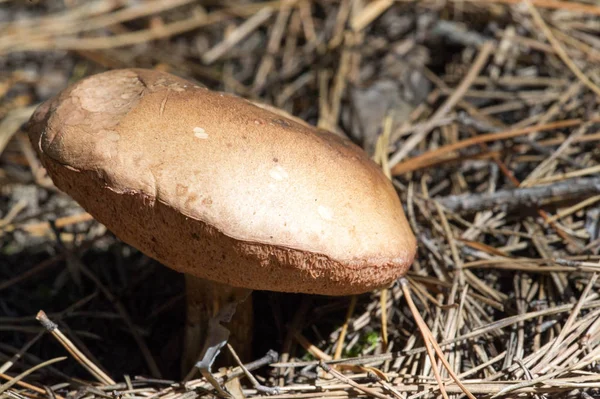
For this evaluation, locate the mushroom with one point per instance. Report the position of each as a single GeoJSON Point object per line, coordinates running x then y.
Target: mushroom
{"type": "Point", "coordinates": [236, 196]}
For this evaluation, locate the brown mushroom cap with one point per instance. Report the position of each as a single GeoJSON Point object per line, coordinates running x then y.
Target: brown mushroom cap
{"type": "Point", "coordinates": [214, 186]}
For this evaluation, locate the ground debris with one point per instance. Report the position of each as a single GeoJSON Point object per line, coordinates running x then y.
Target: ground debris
{"type": "Point", "coordinates": [484, 114]}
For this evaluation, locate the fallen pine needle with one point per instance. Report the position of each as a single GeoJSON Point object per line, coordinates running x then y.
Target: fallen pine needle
{"type": "Point", "coordinates": [434, 157]}
{"type": "Point", "coordinates": [430, 342]}
{"type": "Point", "coordinates": [72, 349]}
{"type": "Point", "coordinates": [25, 373]}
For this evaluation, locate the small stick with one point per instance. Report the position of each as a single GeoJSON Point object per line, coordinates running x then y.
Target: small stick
{"type": "Point", "coordinates": [257, 385]}
{"type": "Point", "coordinates": [549, 4]}
{"type": "Point", "coordinates": [432, 158]}
{"type": "Point", "coordinates": [340, 344]}
{"type": "Point", "coordinates": [25, 373]}
{"type": "Point", "coordinates": [349, 381]}
{"type": "Point", "coordinates": [13, 212]}
{"type": "Point", "coordinates": [11, 123]}
{"type": "Point", "coordinates": [382, 380]}
{"type": "Point", "coordinates": [42, 228]}
{"type": "Point", "coordinates": [546, 166]}
{"type": "Point", "coordinates": [29, 386]}
{"type": "Point", "coordinates": [560, 50]}
{"type": "Point", "coordinates": [310, 348]}
{"type": "Point", "coordinates": [270, 357]}
{"type": "Point", "coordinates": [518, 197]}
{"type": "Point", "coordinates": [340, 22]}
{"type": "Point", "coordinates": [132, 38]}
{"type": "Point", "coordinates": [222, 377]}
{"type": "Point", "coordinates": [308, 25]}
{"type": "Point", "coordinates": [9, 363]}
{"type": "Point", "coordinates": [428, 338]}
{"type": "Point", "coordinates": [72, 349]}
{"type": "Point", "coordinates": [120, 16]}
{"type": "Point", "coordinates": [384, 318]}
{"type": "Point", "coordinates": [237, 35]}
{"type": "Point", "coordinates": [447, 106]}
{"type": "Point", "coordinates": [370, 13]}
{"type": "Point", "coordinates": [575, 208]}
{"type": "Point", "coordinates": [564, 176]}
{"type": "Point", "coordinates": [551, 352]}
{"type": "Point", "coordinates": [274, 44]}
{"type": "Point", "coordinates": [53, 261]}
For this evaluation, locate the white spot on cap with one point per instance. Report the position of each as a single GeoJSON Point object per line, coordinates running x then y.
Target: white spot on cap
{"type": "Point", "coordinates": [325, 212]}
{"type": "Point", "coordinates": [278, 173]}
{"type": "Point", "coordinates": [200, 133]}
{"type": "Point", "coordinates": [113, 136]}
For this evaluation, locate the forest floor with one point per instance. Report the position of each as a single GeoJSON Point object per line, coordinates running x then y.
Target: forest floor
{"type": "Point", "coordinates": [484, 113]}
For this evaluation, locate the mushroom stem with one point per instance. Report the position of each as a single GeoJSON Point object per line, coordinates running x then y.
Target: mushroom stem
{"type": "Point", "coordinates": [204, 300]}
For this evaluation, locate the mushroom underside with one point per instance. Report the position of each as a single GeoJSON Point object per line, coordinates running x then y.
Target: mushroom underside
{"type": "Point", "coordinates": [196, 248]}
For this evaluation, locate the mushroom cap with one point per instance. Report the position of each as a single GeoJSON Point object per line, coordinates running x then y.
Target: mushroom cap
{"type": "Point", "coordinates": [215, 186]}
